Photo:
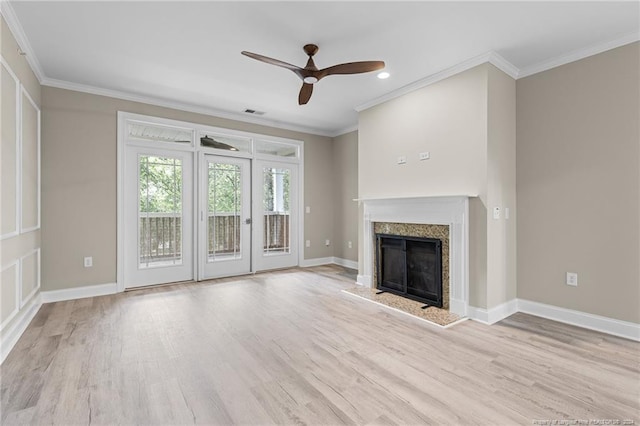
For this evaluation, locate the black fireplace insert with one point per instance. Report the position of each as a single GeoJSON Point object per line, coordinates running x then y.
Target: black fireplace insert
{"type": "Point", "coordinates": [410, 267]}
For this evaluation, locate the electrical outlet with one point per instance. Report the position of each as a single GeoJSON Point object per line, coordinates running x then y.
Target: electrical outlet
{"type": "Point", "coordinates": [307, 243]}
{"type": "Point", "coordinates": [496, 212]}
{"type": "Point", "coordinates": [88, 262]}
{"type": "Point", "coordinates": [425, 155]}
{"type": "Point", "coordinates": [350, 244]}
{"type": "Point", "coordinates": [572, 279]}
{"type": "Point", "coordinates": [327, 242]}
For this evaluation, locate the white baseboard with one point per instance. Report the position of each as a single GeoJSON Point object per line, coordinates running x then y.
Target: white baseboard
{"type": "Point", "coordinates": [318, 261]}
{"type": "Point", "coordinates": [478, 314]}
{"type": "Point", "coordinates": [306, 263]}
{"type": "Point", "coordinates": [364, 280]}
{"type": "Point", "coordinates": [352, 264]}
{"type": "Point", "coordinates": [458, 307]}
{"type": "Point", "coordinates": [20, 324]}
{"type": "Point", "coordinates": [628, 330]}
{"type": "Point", "coordinates": [78, 292]}
{"type": "Point", "coordinates": [495, 314]}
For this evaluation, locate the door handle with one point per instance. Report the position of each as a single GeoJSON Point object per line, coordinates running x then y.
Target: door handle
{"type": "Point", "coordinates": [247, 221]}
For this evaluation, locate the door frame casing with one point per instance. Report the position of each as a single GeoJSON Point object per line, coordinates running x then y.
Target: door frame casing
{"type": "Point", "coordinates": [124, 117]}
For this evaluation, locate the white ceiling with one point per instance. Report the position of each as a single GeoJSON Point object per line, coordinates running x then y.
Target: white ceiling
{"type": "Point", "coordinates": [188, 53]}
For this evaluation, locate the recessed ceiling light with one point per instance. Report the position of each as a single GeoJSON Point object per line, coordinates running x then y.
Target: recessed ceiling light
{"type": "Point", "coordinates": [383, 75]}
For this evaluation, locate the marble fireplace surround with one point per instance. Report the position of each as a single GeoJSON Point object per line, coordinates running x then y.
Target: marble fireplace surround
{"type": "Point", "coordinates": [440, 210]}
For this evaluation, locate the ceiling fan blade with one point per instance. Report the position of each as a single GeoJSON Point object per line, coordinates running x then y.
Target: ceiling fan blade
{"type": "Point", "coordinates": [305, 93]}
{"type": "Point", "coordinates": [275, 62]}
{"type": "Point", "coordinates": [351, 68]}
{"type": "Point", "coordinates": [210, 142]}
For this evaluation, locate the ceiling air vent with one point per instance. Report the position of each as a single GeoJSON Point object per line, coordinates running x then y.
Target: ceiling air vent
{"type": "Point", "coordinates": [253, 111]}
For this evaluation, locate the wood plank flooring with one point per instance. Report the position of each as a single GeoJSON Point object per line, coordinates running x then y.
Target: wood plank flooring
{"type": "Point", "coordinates": [288, 347]}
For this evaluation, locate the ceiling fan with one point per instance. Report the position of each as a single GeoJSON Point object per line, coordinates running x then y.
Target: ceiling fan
{"type": "Point", "coordinates": [310, 74]}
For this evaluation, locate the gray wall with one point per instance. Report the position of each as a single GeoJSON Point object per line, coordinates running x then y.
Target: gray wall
{"type": "Point", "coordinates": [448, 119]}
{"type": "Point", "coordinates": [578, 184]}
{"type": "Point", "coordinates": [345, 187]}
{"type": "Point", "coordinates": [79, 183]}
{"type": "Point", "coordinates": [501, 187]}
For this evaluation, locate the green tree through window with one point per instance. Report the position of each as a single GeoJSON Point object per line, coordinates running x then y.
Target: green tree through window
{"type": "Point", "coordinates": [224, 188]}
{"type": "Point", "coordinates": [160, 185]}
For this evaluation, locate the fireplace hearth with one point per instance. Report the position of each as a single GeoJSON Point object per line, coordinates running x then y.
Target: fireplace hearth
{"type": "Point", "coordinates": [410, 267]}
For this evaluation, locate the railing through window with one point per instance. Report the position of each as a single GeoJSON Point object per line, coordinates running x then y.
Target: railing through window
{"type": "Point", "coordinates": [160, 235]}
{"type": "Point", "coordinates": [276, 232]}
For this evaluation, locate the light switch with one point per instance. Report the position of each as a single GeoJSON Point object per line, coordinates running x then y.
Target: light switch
{"type": "Point", "coordinates": [307, 209]}
{"type": "Point", "coordinates": [506, 212]}
{"type": "Point", "coordinates": [307, 243]}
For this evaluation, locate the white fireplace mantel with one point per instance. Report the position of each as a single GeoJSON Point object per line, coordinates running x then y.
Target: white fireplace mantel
{"type": "Point", "coordinates": [438, 210]}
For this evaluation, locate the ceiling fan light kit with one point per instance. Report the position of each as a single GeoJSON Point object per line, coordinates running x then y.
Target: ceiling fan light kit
{"type": "Point", "coordinates": [310, 74]}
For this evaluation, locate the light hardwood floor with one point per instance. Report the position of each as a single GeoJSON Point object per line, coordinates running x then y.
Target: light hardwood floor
{"type": "Point", "coordinates": [288, 347]}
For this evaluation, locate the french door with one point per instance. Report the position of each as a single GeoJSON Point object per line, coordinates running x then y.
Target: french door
{"type": "Point", "coordinates": [158, 223]}
{"type": "Point", "coordinates": [275, 214]}
{"type": "Point", "coordinates": [197, 202]}
{"type": "Point", "coordinates": [225, 216]}
{"type": "Point", "coordinates": [229, 227]}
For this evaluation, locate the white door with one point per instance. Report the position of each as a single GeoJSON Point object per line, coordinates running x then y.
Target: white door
{"type": "Point", "coordinates": [225, 216]}
{"type": "Point", "coordinates": [158, 216]}
{"type": "Point", "coordinates": [275, 214]}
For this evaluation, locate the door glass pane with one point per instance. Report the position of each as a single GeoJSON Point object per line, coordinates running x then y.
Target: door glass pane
{"type": "Point", "coordinates": [223, 218]}
{"type": "Point", "coordinates": [160, 212]}
{"type": "Point", "coordinates": [157, 133]}
{"type": "Point", "coordinates": [275, 148]}
{"type": "Point", "coordinates": [225, 143]}
{"type": "Point", "coordinates": [276, 210]}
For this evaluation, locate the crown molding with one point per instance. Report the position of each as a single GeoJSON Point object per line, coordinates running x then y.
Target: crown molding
{"type": "Point", "coordinates": [6, 10]}
{"type": "Point", "coordinates": [490, 57]}
{"type": "Point", "coordinates": [503, 65]}
{"type": "Point", "coordinates": [345, 130]}
{"type": "Point", "coordinates": [149, 100]}
{"type": "Point", "coordinates": [576, 55]}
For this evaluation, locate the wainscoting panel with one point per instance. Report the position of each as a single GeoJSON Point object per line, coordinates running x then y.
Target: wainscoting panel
{"type": "Point", "coordinates": [9, 293]}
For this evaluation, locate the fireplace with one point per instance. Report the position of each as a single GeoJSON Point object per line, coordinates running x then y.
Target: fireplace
{"type": "Point", "coordinates": [444, 218]}
{"type": "Point", "coordinates": [410, 267]}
